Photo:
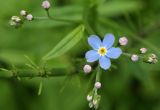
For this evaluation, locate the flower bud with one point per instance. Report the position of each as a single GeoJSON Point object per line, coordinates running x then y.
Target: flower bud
{"type": "Point", "coordinates": [134, 57]}
{"type": "Point", "coordinates": [16, 18]}
{"type": "Point", "coordinates": [89, 98]}
{"type": "Point", "coordinates": [23, 13]}
{"type": "Point", "coordinates": [91, 105]}
{"type": "Point", "coordinates": [29, 17]}
{"type": "Point", "coordinates": [96, 101]}
{"type": "Point", "coordinates": [46, 4]}
{"type": "Point", "coordinates": [153, 56]}
{"type": "Point", "coordinates": [151, 59]}
{"type": "Point", "coordinates": [87, 69]}
{"type": "Point", "coordinates": [143, 50]}
{"type": "Point", "coordinates": [98, 85]}
{"type": "Point", "coordinates": [123, 41]}
{"type": "Point", "coordinates": [15, 21]}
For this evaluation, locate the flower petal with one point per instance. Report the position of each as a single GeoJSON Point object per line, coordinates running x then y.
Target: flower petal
{"type": "Point", "coordinates": [94, 41]}
{"type": "Point", "coordinates": [92, 56]}
{"type": "Point", "coordinates": [114, 53]}
{"type": "Point", "coordinates": [105, 63]}
{"type": "Point", "coordinates": [108, 40]}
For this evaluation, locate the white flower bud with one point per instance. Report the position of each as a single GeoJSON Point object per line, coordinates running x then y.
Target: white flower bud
{"type": "Point", "coordinates": [15, 18]}
{"type": "Point", "coordinates": [134, 58]}
{"type": "Point", "coordinates": [123, 41]}
{"type": "Point", "coordinates": [23, 13]}
{"type": "Point", "coordinates": [87, 69]}
{"type": "Point", "coordinates": [29, 17]}
{"type": "Point", "coordinates": [143, 50]}
{"type": "Point", "coordinates": [155, 61]}
{"type": "Point", "coordinates": [91, 105]}
{"type": "Point", "coordinates": [12, 23]}
{"type": "Point", "coordinates": [94, 102]}
{"type": "Point", "coordinates": [89, 98]}
{"type": "Point", "coordinates": [46, 4]}
{"type": "Point", "coordinates": [98, 85]}
{"type": "Point", "coordinates": [150, 60]}
{"type": "Point", "coordinates": [153, 56]}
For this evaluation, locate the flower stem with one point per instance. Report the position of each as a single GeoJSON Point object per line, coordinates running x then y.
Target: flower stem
{"type": "Point", "coordinates": [56, 19]}
{"type": "Point", "coordinates": [32, 74]}
{"type": "Point", "coordinates": [129, 55]}
{"type": "Point", "coordinates": [98, 75]}
{"type": "Point", "coordinates": [98, 78]}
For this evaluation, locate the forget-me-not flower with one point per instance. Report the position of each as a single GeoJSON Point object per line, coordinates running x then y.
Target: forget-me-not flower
{"type": "Point", "coordinates": [102, 50]}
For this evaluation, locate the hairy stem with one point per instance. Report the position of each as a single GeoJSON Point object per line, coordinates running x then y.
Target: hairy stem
{"type": "Point", "coordinates": [32, 74]}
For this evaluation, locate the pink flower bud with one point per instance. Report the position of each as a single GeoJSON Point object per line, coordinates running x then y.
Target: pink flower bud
{"type": "Point", "coordinates": [134, 58]}
{"type": "Point", "coordinates": [98, 85]}
{"type": "Point", "coordinates": [46, 4]}
{"type": "Point", "coordinates": [23, 13]}
{"type": "Point", "coordinates": [143, 50]}
{"type": "Point", "coordinates": [123, 41]}
{"type": "Point", "coordinates": [29, 17]}
{"type": "Point", "coordinates": [87, 69]}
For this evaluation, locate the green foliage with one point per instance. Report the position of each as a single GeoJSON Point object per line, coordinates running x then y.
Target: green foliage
{"type": "Point", "coordinates": [67, 43]}
{"type": "Point", "coordinates": [129, 86]}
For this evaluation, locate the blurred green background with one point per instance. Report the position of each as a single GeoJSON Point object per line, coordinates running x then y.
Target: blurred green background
{"type": "Point", "coordinates": [129, 86]}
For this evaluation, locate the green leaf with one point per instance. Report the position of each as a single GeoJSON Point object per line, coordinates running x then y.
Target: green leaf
{"type": "Point", "coordinates": [117, 8]}
{"type": "Point", "coordinates": [66, 44]}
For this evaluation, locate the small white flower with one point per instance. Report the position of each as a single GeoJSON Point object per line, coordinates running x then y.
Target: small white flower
{"type": "Point", "coordinates": [29, 17]}
{"type": "Point", "coordinates": [143, 50]}
{"type": "Point", "coordinates": [134, 58]}
{"type": "Point", "coordinates": [89, 98]}
{"type": "Point", "coordinates": [123, 41]}
{"type": "Point", "coordinates": [23, 13]}
{"type": "Point", "coordinates": [46, 4]}
{"type": "Point", "coordinates": [87, 69]}
{"type": "Point", "coordinates": [98, 85]}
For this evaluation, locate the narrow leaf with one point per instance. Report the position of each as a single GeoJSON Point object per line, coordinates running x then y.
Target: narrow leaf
{"type": "Point", "coordinates": [66, 44]}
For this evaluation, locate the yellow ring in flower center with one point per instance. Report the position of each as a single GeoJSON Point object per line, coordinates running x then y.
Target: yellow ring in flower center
{"type": "Point", "coordinates": [102, 51]}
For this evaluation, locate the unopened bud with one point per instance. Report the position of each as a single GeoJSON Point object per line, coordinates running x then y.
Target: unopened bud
{"type": "Point", "coordinates": [151, 59]}
{"type": "Point", "coordinates": [89, 98]}
{"type": "Point", "coordinates": [153, 56]}
{"type": "Point", "coordinates": [23, 13]}
{"type": "Point", "coordinates": [46, 4]}
{"type": "Point", "coordinates": [16, 18]}
{"type": "Point", "coordinates": [96, 101]}
{"type": "Point", "coordinates": [134, 58]}
{"type": "Point", "coordinates": [143, 50]}
{"type": "Point", "coordinates": [123, 41]}
{"type": "Point", "coordinates": [87, 69]}
{"type": "Point", "coordinates": [98, 85]}
{"type": "Point", "coordinates": [15, 21]}
{"type": "Point", "coordinates": [29, 17]}
{"type": "Point", "coordinates": [91, 105]}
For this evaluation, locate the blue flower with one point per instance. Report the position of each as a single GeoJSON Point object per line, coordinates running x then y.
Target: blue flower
{"type": "Point", "coordinates": [102, 50]}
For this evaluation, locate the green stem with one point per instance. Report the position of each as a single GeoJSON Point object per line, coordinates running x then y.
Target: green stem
{"type": "Point", "coordinates": [114, 25]}
{"type": "Point", "coordinates": [32, 74]}
{"type": "Point", "coordinates": [56, 19]}
{"type": "Point", "coordinates": [129, 55]}
{"type": "Point", "coordinates": [48, 14]}
{"type": "Point", "coordinates": [98, 78]}
{"type": "Point", "coordinates": [98, 75]}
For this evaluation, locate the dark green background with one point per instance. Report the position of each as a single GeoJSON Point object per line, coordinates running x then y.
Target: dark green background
{"type": "Point", "coordinates": [129, 86]}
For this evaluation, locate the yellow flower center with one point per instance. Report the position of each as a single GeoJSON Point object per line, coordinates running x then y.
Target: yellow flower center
{"type": "Point", "coordinates": [102, 51]}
